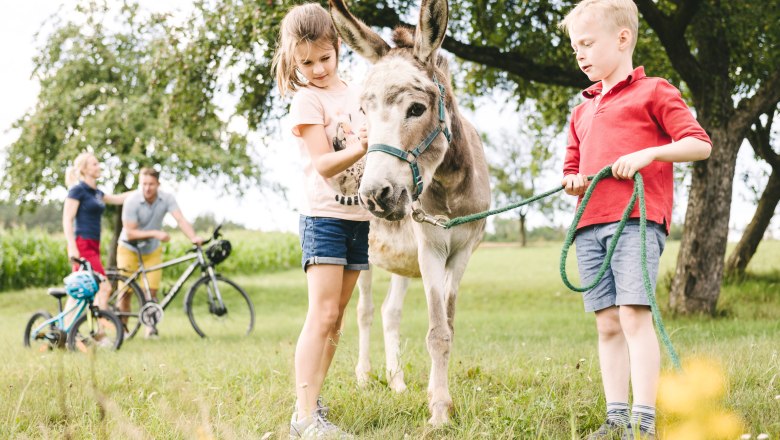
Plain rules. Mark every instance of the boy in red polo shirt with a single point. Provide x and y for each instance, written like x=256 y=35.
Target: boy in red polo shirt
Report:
x=633 y=122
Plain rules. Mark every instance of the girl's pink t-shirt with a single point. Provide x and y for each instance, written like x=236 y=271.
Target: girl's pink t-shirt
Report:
x=339 y=112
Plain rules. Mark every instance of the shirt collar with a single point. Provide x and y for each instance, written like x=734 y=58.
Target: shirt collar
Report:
x=143 y=199
x=595 y=90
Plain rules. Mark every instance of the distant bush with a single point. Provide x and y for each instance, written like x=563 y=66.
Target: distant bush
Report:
x=31 y=258
x=253 y=252
x=37 y=258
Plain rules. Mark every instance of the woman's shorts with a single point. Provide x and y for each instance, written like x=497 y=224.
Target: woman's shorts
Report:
x=622 y=283
x=326 y=240
x=89 y=250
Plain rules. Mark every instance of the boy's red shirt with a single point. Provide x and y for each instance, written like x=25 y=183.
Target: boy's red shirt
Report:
x=637 y=113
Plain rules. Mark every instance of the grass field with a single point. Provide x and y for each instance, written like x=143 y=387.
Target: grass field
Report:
x=524 y=363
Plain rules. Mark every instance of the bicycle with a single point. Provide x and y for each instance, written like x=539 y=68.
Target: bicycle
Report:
x=90 y=327
x=215 y=305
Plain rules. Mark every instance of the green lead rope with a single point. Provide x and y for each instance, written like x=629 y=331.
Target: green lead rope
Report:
x=639 y=192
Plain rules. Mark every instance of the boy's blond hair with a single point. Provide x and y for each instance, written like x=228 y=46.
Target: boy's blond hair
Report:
x=308 y=23
x=621 y=13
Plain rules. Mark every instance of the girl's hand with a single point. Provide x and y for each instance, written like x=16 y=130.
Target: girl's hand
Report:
x=575 y=184
x=355 y=142
x=363 y=136
x=626 y=166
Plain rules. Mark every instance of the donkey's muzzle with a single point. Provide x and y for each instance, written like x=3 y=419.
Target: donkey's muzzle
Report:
x=386 y=202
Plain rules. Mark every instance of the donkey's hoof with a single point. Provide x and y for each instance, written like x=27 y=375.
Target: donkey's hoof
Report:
x=440 y=413
x=396 y=381
x=397 y=385
x=363 y=375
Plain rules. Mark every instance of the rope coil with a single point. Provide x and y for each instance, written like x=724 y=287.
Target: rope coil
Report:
x=638 y=193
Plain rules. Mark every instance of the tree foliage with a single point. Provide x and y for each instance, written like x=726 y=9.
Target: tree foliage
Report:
x=126 y=90
x=721 y=53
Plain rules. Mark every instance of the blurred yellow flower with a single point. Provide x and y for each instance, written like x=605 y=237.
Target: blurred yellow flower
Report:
x=692 y=399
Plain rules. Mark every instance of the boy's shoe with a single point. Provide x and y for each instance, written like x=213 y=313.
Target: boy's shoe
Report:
x=638 y=435
x=316 y=426
x=610 y=431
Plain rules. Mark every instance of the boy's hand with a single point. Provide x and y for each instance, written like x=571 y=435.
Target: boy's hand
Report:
x=626 y=166
x=575 y=184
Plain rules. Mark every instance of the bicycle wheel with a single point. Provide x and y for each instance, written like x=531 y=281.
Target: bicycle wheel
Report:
x=40 y=341
x=233 y=316
x=96 y=329
x=132 y=294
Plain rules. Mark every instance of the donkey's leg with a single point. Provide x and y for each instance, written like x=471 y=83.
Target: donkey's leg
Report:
x=439 y=339
x=391 y=322
x=456 y=267
x=365 y=317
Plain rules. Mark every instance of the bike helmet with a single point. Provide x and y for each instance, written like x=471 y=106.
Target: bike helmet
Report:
x=219 y=251
x=81 y=285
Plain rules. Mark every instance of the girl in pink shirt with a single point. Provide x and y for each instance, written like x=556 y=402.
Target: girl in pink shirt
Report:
x=333 y=226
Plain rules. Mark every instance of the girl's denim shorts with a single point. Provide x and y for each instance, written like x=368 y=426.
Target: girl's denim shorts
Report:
x=326 y=240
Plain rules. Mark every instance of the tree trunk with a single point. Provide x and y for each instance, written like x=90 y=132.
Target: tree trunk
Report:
x=523 y=238
x=740 y=257
x=115 y=238
x=120 y=187
x=696 y=284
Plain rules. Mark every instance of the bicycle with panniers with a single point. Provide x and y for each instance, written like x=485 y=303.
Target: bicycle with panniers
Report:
x=215 y=305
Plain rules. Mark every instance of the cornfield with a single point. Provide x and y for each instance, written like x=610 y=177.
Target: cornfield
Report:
x=36 y=258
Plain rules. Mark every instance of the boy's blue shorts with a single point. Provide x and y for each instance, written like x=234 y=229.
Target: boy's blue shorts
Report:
x=622 y=283
x=326 y=240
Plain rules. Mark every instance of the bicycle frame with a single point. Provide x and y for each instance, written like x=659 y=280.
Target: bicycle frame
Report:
x=60 y=318
x=171 y=294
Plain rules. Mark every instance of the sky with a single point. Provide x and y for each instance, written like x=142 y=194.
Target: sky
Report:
x=262 y=210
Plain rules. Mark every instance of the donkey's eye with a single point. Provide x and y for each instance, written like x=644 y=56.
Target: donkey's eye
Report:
x=415 y=110
x=362 y=111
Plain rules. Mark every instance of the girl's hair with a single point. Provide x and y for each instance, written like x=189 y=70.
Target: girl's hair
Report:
x=308 y=23
x=76 y=172
x=619 y=13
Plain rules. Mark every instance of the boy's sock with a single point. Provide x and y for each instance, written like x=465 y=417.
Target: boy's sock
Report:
x=617 y=413
x=643 y=417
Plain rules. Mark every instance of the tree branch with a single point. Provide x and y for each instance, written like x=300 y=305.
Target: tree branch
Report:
x=763 y=101
x=671 y=31
x=511 y=62
x=685 y=13
x=516 y=64
x=760 y=140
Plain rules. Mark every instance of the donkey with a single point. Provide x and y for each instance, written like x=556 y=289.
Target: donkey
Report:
x=423 y=157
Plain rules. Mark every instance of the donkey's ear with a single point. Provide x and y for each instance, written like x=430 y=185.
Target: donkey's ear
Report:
x=357 y=35
x=431 y=29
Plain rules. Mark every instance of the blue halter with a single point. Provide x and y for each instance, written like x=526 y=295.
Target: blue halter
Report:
x=411 y=156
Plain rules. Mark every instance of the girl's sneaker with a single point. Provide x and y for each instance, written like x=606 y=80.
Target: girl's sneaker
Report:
x=317 y=426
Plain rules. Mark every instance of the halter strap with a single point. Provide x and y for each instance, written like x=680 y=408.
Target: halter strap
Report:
x=411 y=156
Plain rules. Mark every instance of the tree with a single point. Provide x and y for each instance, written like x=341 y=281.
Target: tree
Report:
x=721 y=53
x=517 y=161
x=133 y=97
x=760 y=138
x=48 y=217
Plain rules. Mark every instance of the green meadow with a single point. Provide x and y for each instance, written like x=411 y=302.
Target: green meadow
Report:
x=524 y=363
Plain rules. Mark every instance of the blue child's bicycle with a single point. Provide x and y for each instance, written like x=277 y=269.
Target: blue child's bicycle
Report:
x=82 y=326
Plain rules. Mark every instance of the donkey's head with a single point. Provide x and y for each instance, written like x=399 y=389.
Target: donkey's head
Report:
x=404 y=102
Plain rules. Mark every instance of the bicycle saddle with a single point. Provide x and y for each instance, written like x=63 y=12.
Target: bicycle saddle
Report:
x=57 y=292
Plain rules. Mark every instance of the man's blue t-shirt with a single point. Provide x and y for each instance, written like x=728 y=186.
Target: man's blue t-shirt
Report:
x=90 y=211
